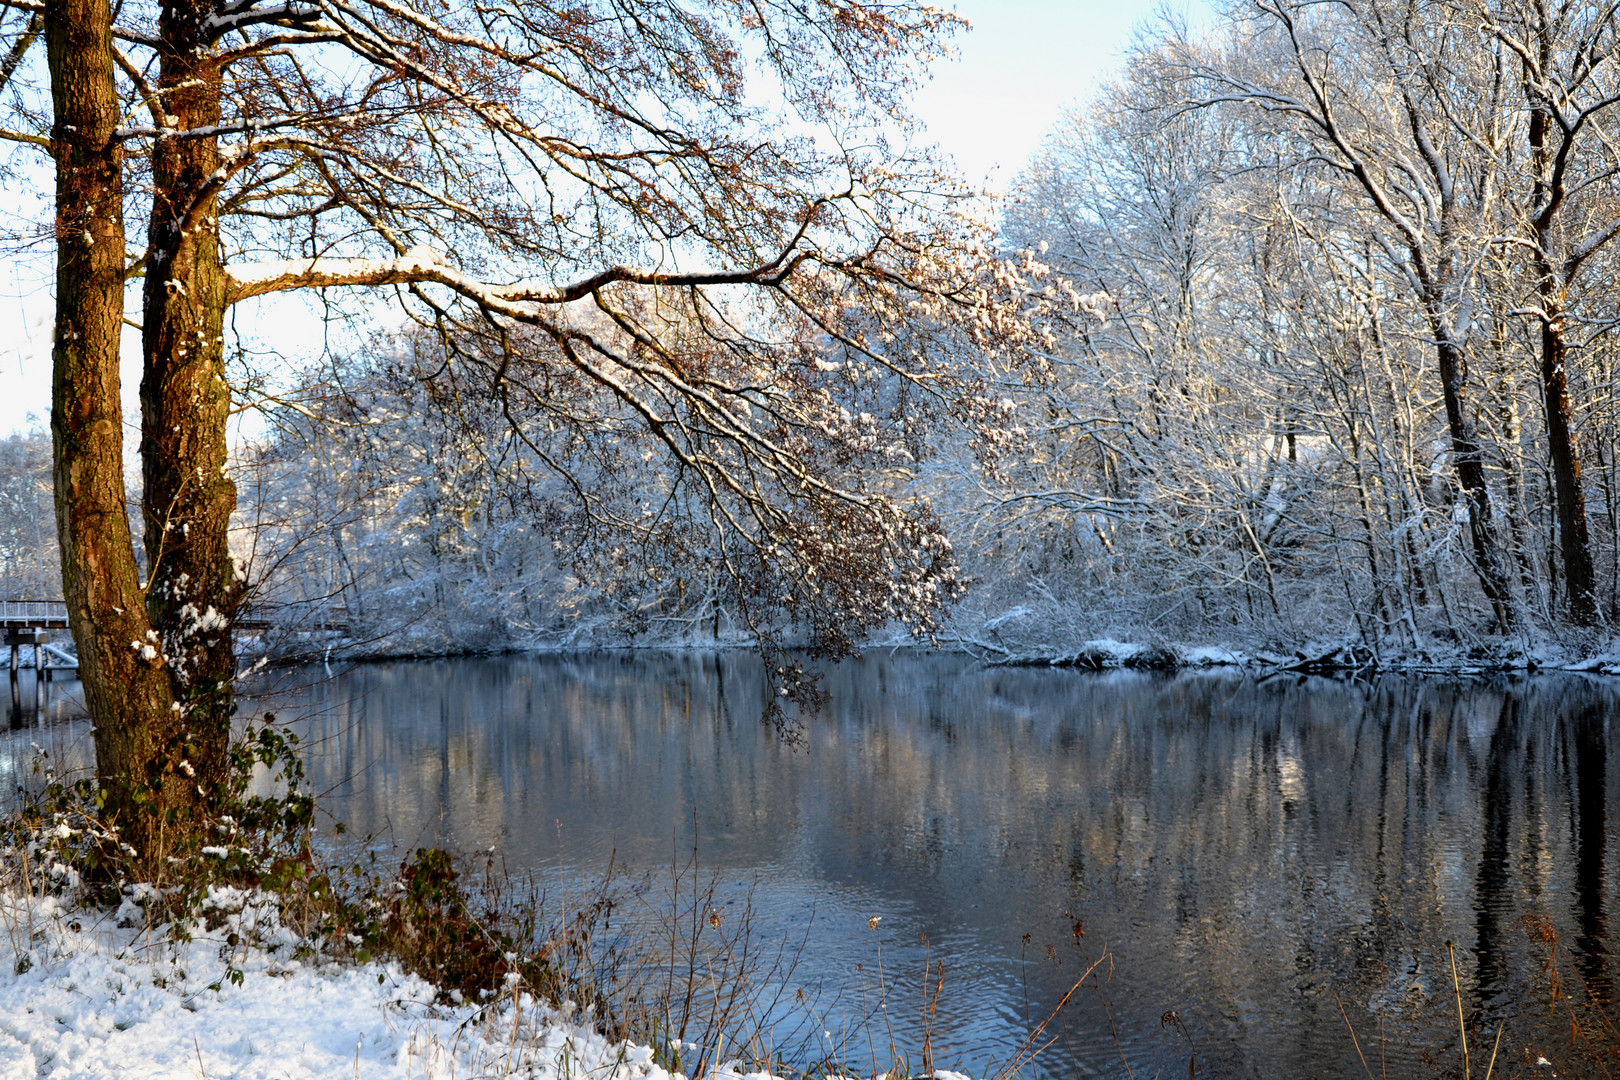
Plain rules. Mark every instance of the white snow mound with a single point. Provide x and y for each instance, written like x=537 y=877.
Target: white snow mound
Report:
x=81 y=996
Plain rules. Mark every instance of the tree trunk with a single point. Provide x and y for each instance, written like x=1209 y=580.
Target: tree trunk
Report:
x=1551 y=144
x=121 y=664
x=185 y=403
x=1580 y=579
x=1469 y=461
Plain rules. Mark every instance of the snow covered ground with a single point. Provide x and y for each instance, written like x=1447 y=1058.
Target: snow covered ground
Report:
x=1314 y=657
x=81 y=996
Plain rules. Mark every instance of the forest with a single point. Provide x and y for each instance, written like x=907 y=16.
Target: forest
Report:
x=1319 y=352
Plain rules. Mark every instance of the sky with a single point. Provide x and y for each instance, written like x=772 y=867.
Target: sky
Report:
x=1022 y=63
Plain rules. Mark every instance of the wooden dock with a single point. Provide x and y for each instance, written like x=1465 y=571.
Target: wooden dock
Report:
x=29 y=622
x=33 y=615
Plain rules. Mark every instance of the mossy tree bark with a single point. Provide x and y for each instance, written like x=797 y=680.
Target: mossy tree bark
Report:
x=127 y=685
x=185 y=402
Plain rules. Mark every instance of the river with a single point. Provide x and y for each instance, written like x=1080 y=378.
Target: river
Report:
x=1271 y=861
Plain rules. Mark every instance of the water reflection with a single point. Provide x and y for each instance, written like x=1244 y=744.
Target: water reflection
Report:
x=1252 y=853
x=35 y=703
x=1591 y=832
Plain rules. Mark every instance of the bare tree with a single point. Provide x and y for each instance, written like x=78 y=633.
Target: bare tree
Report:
x=1402 y=105
x=140 y=737
x=431 y=515
x=1259 y=445
x=602 y=191
x=1570 y=80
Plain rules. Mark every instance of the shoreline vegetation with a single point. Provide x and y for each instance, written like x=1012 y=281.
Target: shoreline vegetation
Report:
x=1342 y=660
x=89 y=992
x=1098 y=654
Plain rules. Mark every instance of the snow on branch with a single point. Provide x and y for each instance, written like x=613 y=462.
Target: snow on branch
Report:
x=237 y=16
x=419 y=266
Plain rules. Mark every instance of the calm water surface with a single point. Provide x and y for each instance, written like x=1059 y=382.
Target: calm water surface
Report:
x=1249 y=853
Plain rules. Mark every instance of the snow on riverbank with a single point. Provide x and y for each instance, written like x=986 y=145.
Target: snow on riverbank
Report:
x=1105 y=654
x=81 y=996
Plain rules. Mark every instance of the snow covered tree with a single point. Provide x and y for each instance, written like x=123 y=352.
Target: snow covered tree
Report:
x=1357 y=348
x=1569 y=79
x=1419 y=148
x=429 y=517
x=707 y=209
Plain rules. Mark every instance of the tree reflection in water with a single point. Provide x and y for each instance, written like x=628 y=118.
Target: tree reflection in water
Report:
x=1252 y=852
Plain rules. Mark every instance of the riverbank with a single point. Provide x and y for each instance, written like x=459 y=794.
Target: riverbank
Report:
x=93 y=993
x=1102 y=654
x=1594 y=657
x=1312 y=659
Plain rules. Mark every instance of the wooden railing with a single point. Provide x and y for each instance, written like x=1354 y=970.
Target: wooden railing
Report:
x=33 y=614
